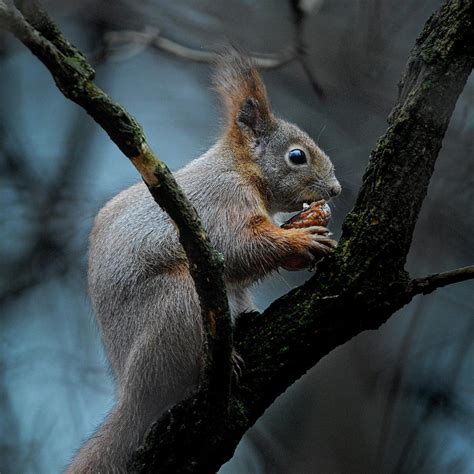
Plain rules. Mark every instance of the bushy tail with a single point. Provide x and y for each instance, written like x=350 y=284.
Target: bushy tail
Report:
x=109 y=450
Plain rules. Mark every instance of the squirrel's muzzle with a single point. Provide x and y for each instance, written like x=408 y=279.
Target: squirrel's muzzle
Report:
x=334 y=189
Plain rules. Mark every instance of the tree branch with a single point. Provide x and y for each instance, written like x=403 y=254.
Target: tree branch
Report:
x=430 y=283
x=153 y=37
x=41 y=21
x=299 y=19
x=73 y=76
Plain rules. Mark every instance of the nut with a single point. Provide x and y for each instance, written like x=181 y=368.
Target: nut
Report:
x=317 y=214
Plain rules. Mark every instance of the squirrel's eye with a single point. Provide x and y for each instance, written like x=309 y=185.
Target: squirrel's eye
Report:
x=297 y=156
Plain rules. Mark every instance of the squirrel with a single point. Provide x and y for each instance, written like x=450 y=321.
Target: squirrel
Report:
x=139 y=282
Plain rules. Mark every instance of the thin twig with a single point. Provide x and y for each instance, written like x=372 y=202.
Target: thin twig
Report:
x=430 y=283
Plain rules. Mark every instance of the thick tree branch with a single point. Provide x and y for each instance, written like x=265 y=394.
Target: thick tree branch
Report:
x=73 y=76
x=430 y=283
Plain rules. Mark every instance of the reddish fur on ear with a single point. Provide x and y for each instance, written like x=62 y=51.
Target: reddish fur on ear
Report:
x=239 y=84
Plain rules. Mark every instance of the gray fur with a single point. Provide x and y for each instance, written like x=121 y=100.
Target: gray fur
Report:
x=141 y=289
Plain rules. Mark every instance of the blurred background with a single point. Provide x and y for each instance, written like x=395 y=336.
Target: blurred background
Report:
x=396 y=400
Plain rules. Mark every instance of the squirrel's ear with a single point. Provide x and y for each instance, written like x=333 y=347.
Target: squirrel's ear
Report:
x=250 y=116
x=243 y=93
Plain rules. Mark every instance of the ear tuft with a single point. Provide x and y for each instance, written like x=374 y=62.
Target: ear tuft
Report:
x=248 y=114
x=242 y=91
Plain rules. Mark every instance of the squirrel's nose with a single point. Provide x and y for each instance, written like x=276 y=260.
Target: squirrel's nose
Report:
x=334 y=189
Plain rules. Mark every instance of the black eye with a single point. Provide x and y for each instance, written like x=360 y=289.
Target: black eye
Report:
x=297 y=157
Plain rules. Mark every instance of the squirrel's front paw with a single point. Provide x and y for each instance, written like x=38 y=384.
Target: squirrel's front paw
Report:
x=320 y=241
x=313 y=243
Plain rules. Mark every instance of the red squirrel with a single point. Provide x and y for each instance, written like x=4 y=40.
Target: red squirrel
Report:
x=139 y=282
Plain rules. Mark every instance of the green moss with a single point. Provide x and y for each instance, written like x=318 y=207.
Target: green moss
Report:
x=76 y=61
x=240 y=407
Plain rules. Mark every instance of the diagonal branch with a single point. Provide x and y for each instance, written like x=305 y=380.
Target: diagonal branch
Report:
x=41 y=21
x=430 y=283
x=73 y=76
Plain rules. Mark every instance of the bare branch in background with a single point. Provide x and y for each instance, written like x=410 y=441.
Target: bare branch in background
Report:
x=299 y=18
x=125 y=44
x=49 y=203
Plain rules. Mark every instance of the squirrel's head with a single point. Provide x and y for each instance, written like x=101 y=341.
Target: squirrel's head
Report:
x=283 y=162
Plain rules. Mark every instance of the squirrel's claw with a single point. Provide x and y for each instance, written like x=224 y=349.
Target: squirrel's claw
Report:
x=238 y=365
